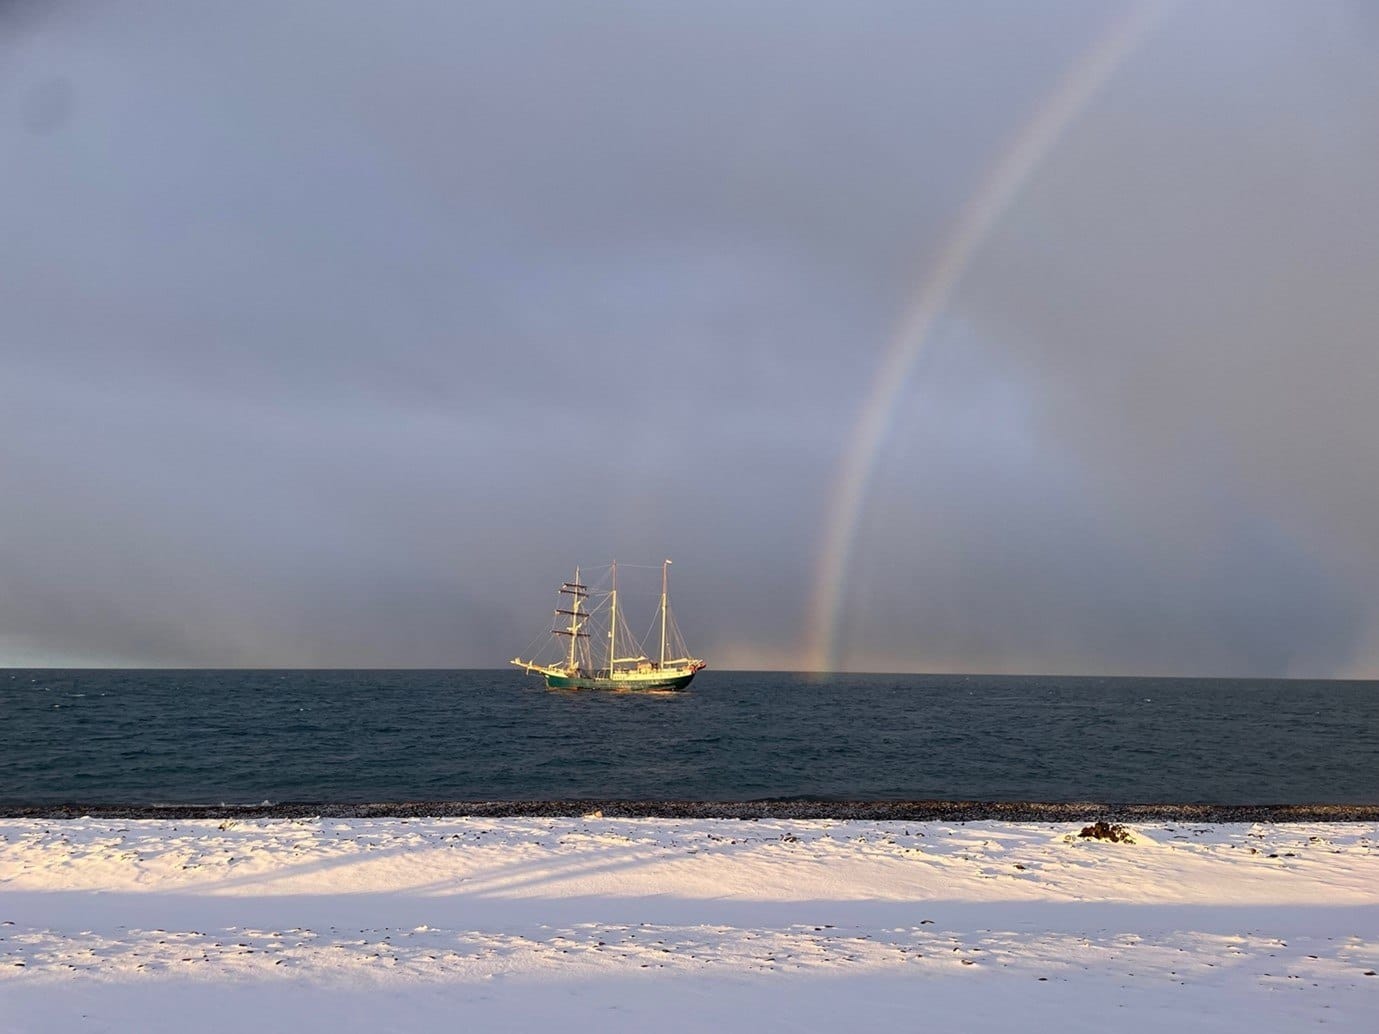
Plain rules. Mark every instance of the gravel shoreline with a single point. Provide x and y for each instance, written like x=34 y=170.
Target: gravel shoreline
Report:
x=911 y=811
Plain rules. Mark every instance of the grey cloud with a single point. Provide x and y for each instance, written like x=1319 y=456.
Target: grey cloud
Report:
x=334 y=334
x=1182 y=313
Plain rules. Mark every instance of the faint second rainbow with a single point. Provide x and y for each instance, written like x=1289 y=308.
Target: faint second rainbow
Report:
x=982 y=211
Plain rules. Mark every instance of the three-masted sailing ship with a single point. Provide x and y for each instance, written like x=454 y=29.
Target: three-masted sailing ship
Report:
x=596 y=626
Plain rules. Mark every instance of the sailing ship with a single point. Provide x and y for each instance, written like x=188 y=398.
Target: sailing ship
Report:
x=593 y=617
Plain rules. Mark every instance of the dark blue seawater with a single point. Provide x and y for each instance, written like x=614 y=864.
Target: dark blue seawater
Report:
x=210 y=737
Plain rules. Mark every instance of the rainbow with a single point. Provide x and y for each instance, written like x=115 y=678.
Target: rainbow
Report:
x=979 y=216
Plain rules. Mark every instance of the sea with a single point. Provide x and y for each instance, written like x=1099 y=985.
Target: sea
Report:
x=252 y=737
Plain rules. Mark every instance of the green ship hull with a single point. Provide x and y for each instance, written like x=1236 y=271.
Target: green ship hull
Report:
x=667 y=684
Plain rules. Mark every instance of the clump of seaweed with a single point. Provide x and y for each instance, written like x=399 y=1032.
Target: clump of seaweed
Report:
x=1112 y=831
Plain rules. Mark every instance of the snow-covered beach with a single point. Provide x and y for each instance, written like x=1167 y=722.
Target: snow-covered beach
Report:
x=616 y=924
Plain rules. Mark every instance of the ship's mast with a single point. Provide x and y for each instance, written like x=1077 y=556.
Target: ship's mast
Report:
x=577 y=591
x=665 y=581
x=574 y=622
x=613 y=622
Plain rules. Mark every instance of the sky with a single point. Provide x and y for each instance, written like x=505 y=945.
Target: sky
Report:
x=337 y=334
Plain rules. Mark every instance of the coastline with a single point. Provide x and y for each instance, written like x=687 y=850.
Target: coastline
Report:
x=865 y=810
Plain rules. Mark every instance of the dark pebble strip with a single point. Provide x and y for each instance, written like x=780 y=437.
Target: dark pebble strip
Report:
x=908 y=811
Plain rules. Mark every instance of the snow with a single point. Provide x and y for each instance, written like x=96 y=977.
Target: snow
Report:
x=708 y=924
